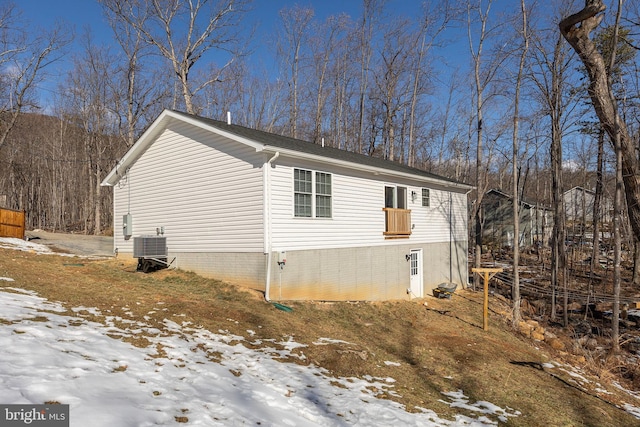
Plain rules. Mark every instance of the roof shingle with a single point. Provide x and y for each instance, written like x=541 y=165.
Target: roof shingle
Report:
x=284 y=142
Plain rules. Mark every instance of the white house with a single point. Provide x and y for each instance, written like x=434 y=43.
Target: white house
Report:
x=294 y=219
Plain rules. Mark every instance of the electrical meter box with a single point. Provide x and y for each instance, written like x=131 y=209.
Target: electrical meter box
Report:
x=127 y=230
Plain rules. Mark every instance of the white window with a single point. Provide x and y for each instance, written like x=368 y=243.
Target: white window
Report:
x=302 y=192
x=425 y=197
x=323 y=195
x=312 y=194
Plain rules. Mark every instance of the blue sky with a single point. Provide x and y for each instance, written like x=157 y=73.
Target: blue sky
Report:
x=87 y=13
x=82 y=13
x=78 y=15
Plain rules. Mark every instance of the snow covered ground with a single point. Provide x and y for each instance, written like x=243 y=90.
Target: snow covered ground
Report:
x=51 y=353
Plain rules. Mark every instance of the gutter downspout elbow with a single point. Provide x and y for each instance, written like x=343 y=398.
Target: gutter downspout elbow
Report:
x=275 y=156
x=267 y=214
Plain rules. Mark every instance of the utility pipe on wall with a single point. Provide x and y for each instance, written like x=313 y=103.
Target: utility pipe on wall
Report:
x=266 y=179
x=451 y=238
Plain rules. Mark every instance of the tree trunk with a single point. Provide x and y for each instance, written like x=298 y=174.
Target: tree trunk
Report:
x=576 y=29
x=557 y=238
x=636 y=262
x=480 y=178
x=597 y=217
x=516 y=196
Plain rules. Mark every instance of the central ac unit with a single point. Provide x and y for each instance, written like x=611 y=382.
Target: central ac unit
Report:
x=150 y=247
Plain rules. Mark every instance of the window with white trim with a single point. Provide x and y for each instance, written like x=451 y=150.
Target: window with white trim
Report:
x=312 y=193
x=426 y=198
x=302 y=192
x=323 y=195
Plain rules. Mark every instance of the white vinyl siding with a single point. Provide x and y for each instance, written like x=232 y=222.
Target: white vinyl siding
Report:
x=446 y=216
x=205 y=190
x=357 y=217
x=207 y=193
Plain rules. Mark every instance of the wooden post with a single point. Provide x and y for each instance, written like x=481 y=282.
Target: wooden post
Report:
x=24 y=224
x=487 y=274
x=485 y=306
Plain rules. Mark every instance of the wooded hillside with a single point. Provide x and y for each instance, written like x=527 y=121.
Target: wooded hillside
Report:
x=431 y=85
x=52 y=169
x=529 y=98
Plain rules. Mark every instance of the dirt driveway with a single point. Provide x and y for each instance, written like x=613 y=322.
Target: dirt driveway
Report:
x=78 y=244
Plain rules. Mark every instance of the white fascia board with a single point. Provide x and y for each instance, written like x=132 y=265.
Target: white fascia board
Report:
x=159 y=125
x=367 y=168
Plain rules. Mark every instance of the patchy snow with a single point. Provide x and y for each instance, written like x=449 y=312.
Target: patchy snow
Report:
x=50 y=353
x=459 y=400
x=327 y=341
x=24 y=245
x=38 y=248
x=583 y=383
x=390 y=363
x=633 y=410
x=53 y=354
x=634 y=312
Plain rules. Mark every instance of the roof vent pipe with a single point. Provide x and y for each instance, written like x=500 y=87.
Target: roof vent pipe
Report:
x=228 y=117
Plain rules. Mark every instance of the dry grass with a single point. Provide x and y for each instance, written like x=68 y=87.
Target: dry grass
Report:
x=440 y=346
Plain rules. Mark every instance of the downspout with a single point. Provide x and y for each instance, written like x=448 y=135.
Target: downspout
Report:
x=450 y=237
x=266 y=182
x=466 y=194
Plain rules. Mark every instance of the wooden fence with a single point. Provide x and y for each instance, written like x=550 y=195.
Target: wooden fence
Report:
x=12 y=223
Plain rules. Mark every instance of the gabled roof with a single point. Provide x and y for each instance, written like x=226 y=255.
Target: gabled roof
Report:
x=501 y=194
x=580 y=189
x=272 y=143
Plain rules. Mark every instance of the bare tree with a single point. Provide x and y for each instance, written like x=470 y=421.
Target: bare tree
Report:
x=551 y=75
x=328 y=39
x=184 y=31
x=143 y=89
x=262 y=103
x=342 y=102
x=371 y=9
x=484 y=72
x=24 y=60
x=89 y=104
x=433 y=23
x=516 y=192
x=392 y=85
x=576 y=28
x=296 y=22
x=617 y=201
